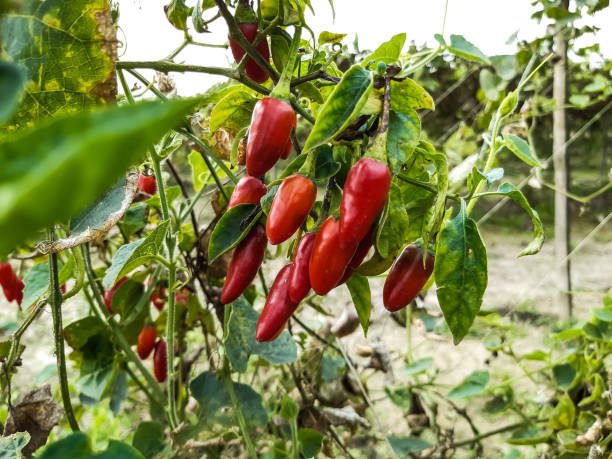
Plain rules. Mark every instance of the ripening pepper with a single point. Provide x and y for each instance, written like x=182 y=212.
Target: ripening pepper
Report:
x=146 y=341
x=147 y=184
x=108 y=295
x=245 y=263
x=252 y=69
x=407 y=277
x=271 y=124
x=299 y=282
x=329 y=259
x=158 y=298
x=290 y=207
x=364 y=196
x=362 y=250
x=248 y=190
x=12 y=285
x=160 y=361
x=278 y=307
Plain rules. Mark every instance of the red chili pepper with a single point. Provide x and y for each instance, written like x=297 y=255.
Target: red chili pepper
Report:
x=299 y=283
x=160 y=361
x=290 y=207
x=147 y=184
x=249 y=190
x=329 y=259
x=407 y=277
x=365 y=192
x=278 y=307
x=362 y=250
x=245 y=263
x=271 y=124
x=252 y=69
x=12 y=285
x=182 y=295
x=108 y=295
x=158 y=298
x=146 y=341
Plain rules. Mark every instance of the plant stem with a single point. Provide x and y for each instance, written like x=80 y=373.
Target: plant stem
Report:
x=55 y=300
x=16 y=337
x=229 y=385
x=477 y=438
x=171 y=267
x=167 y=65
x=282 y=88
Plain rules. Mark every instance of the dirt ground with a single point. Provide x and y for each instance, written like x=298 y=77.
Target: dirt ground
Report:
x=523 y=284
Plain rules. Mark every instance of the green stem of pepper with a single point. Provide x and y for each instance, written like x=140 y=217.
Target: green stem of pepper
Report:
x=282 y=89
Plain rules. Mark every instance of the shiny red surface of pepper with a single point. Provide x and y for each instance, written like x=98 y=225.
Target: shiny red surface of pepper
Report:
x=252 y=69
x=365 y=192
x=146 y=341
x=12 y=285
x=108 y=295
x=299 y=282
x=329 y=259
x=248 y=190
x=160 y=361
x=245 y=263
x=278 y=307
x=290 y=207
x=407 y=277
x=362 y=250
x=271 y=124
x=147 y=184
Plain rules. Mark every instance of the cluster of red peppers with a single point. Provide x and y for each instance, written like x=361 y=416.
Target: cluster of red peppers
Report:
x=11 y=283
x=147 y=343
x=147 y=339
x=327 y=258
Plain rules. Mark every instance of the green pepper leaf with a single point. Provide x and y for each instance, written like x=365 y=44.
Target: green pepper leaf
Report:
x=521 y=149
x=512 y=192
x=403 y=138
x=461 y=273
x=394 y=228
x=342 y=106
x=130 y=256
x=231 y=228
x=408 y=94
x=233 y=112
x=359 y=288
x=12 y=81
x=564 y=414
x=53 y=171
x=240 y=342
x=77 y=445
x=389 y=52
x=11 y=445
x=463 y=48
x=474 y=384
x=326 y=37
x=40 y=36
x=211 y=392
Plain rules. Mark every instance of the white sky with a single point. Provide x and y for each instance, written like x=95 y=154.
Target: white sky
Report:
x=486 y=23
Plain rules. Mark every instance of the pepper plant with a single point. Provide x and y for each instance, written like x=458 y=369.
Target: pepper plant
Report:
x=159 y=216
